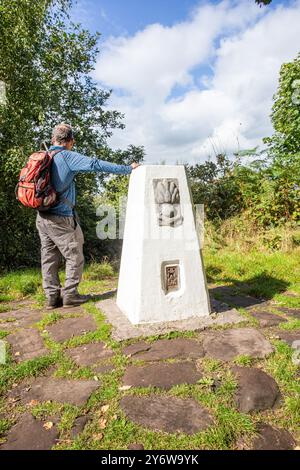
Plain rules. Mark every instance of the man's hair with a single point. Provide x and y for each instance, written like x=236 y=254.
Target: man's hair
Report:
x=62 y=133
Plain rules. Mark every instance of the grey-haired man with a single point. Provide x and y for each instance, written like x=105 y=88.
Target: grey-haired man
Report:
x=59 y=231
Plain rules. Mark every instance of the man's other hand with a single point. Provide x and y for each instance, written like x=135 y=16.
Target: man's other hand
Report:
x=134 y=165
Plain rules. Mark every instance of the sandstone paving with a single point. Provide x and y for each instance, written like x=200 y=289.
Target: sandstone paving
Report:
x=162 y=375
x=228 y=344
x=67 y=328
x=169 y=414
x=178 y=348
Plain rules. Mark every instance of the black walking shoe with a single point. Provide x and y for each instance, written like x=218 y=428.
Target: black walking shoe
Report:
x=75 y=299
x=54 y=301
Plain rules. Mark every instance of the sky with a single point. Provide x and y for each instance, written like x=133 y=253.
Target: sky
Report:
x=193 y=78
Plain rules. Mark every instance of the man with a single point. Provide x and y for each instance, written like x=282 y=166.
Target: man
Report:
x=58 y=228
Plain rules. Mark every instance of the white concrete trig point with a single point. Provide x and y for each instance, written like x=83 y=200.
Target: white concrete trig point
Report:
x=162 y=275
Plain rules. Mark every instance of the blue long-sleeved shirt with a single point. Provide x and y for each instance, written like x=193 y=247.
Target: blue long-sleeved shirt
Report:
x=65 y=166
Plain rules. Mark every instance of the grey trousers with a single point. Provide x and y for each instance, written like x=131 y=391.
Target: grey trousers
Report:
x=60 y=236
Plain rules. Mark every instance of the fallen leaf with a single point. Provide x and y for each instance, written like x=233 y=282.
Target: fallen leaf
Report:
x=13 y=400
x=48 y=425
x=102 y=423
x=98 y=437
x=17 y=353
x=96 y=378
x=124 y=387
x=33 y=403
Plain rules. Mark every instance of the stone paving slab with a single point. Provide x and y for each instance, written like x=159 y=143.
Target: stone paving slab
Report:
x=30 y=434
x=135 y=446
x=122 y=329
x=178 y=348
x=71 y=310
x=8 y=327
x=89 y=354
x=167 y=414
x=217 y=306
x=289 y=337
x=79 y=425
x=256 y=391
x=103 y=368
x=162 y=375
x=67 y=328
x=27 y=344
x=22 y=318
x=76 y=392
x=228 y=344
x=136 y=348
x=266 y=318
x=228 y=295
x=270 y=438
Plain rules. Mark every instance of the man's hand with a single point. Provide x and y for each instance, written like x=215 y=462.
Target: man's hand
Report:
x=134 y=165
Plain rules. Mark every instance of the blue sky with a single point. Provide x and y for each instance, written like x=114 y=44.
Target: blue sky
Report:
x=117 y=16
x=114 y=17
x=187 y=73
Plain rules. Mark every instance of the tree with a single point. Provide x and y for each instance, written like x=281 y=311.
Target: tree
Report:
x=263 y=2
x=45 y=64
x=286 y=111
x=214 y=185
x=269 y=186
x=283 y=145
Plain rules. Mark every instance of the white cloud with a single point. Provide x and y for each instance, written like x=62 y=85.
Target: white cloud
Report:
x=242 y=44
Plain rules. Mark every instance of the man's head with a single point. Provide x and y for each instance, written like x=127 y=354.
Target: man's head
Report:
x=62 y=134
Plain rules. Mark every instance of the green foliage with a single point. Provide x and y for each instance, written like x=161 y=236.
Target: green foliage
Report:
x=214 y=185
x=21 y=283
x=263 y=2
x=286 y=112
x=5 y=424
x=283 y=146
x=266 y=183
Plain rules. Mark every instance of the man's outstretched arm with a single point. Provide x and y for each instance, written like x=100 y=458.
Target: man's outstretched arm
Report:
x=81 y=164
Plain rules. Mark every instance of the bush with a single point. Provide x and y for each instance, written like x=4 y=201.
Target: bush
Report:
x=242 y=233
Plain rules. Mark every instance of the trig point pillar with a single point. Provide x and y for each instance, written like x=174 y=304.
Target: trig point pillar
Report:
x=162 y=275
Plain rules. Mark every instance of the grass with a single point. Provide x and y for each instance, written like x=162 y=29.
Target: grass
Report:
x=19 y=284
x=10 y=373
x=293 y=324
x=282 y=367
x=244 y=360
x=266 y=274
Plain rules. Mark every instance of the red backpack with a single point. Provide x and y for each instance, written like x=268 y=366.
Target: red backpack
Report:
x=34 y=188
